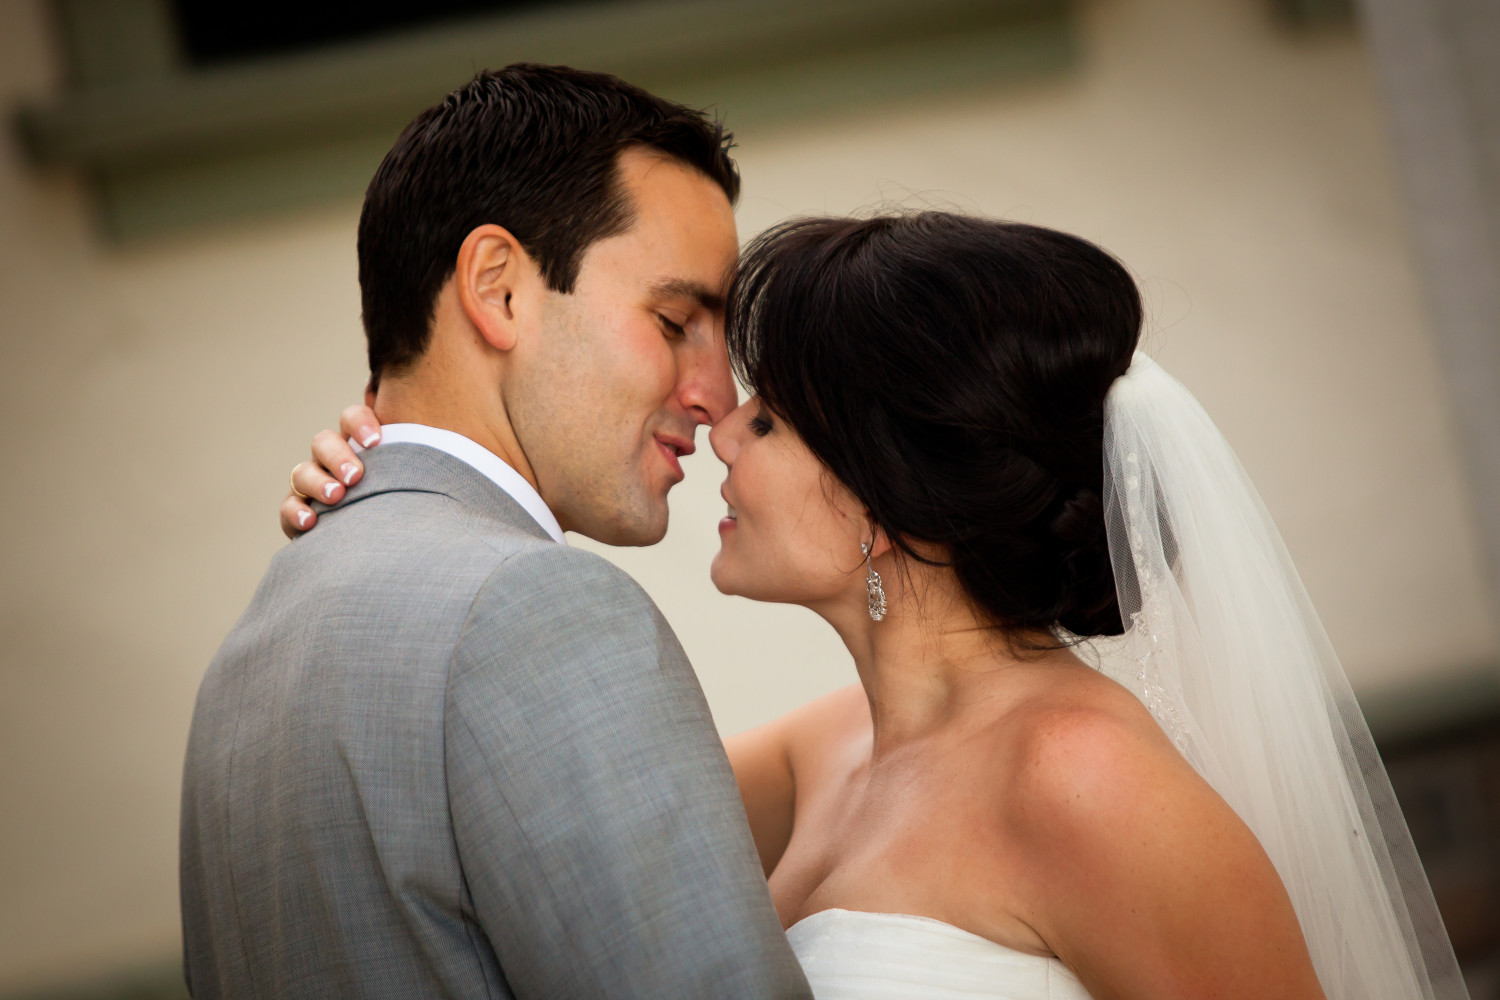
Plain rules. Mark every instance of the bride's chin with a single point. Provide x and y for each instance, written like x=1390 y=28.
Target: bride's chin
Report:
x=719 y=576
x=727 y=580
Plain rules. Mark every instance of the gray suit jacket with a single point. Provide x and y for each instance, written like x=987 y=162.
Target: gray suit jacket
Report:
x=443 y=756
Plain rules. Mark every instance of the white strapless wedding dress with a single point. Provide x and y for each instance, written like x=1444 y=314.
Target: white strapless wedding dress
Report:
x=849 y=955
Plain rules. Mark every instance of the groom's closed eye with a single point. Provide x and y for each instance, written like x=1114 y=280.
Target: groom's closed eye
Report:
x=674 y=331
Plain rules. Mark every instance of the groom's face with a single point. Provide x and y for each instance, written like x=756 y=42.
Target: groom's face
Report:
x=623 y=370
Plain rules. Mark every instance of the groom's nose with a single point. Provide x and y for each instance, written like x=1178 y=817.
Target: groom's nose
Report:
x=706 y=383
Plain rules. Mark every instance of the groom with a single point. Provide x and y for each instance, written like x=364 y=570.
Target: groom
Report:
x=442 y=753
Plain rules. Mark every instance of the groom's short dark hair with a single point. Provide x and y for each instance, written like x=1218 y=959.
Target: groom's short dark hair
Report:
x=531 y=148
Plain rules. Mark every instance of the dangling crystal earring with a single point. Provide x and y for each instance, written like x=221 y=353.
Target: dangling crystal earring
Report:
x=872 y=586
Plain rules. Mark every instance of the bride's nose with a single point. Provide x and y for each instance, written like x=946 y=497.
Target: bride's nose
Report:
x=724 y=436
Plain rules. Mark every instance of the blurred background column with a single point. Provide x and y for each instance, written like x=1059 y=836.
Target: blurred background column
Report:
x=1439 y=67
x=1438 y=62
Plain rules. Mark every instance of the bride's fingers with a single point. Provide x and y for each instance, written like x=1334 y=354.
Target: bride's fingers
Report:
x=312 y=480
x=331 y=451
x=359 y=422
x=296 y=516
x=334 y=467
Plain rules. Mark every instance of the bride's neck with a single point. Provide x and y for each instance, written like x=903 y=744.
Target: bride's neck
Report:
x=929 y=660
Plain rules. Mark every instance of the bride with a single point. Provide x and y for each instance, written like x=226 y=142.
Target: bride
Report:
x=1100 y=746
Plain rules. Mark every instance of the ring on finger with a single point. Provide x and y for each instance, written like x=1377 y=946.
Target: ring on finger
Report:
x=293 y=480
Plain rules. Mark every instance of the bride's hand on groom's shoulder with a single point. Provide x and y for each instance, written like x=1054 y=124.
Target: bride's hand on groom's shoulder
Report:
x=331 y=469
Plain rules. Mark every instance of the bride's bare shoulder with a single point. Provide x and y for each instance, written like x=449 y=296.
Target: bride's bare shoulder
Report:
x=802 y=737
x=1088 y=775
x=1078 y=733
x=1124 y=857
x=840 y=715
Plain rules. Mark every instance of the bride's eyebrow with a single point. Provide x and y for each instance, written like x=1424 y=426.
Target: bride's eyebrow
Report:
x=683 y=288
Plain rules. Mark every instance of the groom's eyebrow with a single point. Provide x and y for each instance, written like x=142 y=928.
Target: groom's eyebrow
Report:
x=681 y=288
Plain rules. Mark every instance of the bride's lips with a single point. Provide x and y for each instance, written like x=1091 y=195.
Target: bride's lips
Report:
x=731 y=520
x=671 y=447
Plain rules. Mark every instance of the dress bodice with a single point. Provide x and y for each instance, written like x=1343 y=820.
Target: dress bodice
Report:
x=851 y=955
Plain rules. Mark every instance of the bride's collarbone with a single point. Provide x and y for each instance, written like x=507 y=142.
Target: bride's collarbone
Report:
x=910 y=839
x=923 y=830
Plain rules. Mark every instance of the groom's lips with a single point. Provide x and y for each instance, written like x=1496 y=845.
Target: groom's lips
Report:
x=671 y=447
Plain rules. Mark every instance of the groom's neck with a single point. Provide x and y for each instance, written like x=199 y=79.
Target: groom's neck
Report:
x=438 y=399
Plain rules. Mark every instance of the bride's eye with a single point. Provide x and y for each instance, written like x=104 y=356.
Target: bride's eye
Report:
x=760 y=424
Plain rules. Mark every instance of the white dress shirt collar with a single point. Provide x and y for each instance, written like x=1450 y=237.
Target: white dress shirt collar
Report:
x=489 y=464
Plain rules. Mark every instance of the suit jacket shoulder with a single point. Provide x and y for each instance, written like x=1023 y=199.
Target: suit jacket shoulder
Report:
x=582 y=754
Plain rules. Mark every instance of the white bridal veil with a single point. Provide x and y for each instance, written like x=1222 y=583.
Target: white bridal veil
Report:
x=1225 y=649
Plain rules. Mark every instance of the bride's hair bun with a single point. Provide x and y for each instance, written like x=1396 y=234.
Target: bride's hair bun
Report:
x=1093 y=608
x=951 y=371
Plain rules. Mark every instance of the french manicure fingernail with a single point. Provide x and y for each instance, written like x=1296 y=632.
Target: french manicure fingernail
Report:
x=303 y=516
x=368 y=436
x=349 y=469
x=328 y=489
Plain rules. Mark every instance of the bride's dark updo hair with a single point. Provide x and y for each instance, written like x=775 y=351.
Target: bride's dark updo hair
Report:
x=951 y=372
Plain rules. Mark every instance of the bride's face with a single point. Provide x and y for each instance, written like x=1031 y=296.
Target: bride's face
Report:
x=793 y=532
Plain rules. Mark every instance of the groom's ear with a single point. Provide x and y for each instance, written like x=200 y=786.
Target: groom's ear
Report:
x=492 y=269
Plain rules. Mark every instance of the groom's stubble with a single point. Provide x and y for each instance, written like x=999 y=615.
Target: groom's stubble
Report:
x=607 y=378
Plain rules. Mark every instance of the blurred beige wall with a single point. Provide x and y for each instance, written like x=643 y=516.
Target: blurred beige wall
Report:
x=154 y=397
